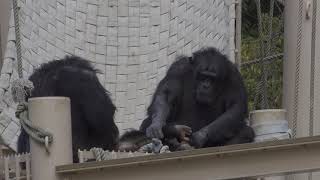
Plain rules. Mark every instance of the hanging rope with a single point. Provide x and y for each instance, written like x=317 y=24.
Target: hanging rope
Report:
x=297 y=72
x=261 y=88
x=261 y=85
x=312 y=72
x=21 y=89
x=33 y=131
x=266 y=59
x=18 y=39
x=270 y=27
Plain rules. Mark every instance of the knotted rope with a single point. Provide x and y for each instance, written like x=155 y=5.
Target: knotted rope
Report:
x=21 y=89
x=155 y=147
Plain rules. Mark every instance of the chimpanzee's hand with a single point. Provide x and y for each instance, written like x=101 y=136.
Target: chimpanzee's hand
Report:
x=199 y=138
x=155 y=130
x=182 y=132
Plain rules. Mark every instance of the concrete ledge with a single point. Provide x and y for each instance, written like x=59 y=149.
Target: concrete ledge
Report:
x=236 y=161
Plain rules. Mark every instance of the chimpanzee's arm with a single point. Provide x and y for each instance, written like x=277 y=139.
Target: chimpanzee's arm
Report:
x=230 y=122
x=159 y=112
x=227 y=125
x=223 y=128
x=167 y=93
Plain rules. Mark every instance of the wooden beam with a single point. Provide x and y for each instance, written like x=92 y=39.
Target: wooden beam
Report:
x=227 y=162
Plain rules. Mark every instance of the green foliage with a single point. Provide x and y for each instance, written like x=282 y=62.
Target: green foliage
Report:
x=249 y=15
x=254 y=48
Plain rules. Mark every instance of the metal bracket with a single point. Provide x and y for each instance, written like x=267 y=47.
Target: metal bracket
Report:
x=308 y=9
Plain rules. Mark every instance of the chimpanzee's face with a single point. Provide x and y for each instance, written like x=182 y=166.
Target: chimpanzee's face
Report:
x=209 y=76
x=205 y=81
x=205 y=85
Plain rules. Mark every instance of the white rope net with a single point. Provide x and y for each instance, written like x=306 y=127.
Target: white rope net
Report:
x=131 y=41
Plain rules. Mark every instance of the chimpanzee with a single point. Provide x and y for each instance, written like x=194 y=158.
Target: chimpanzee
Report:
x=92 y=110
x=206 y=93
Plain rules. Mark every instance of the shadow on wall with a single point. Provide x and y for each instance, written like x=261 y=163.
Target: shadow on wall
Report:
x=4 y=26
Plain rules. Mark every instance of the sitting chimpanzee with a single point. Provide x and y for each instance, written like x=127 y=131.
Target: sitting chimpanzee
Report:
x=92 y=110
x=206 y=93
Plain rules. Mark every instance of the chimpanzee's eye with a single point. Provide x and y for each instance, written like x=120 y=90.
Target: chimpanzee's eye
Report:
x=207 y=75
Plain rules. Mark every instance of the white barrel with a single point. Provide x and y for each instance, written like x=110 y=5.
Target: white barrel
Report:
x=52 y=114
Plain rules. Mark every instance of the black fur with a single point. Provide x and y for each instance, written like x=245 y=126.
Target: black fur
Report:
x=132 y=140
x=205 y=92
x=92 y=110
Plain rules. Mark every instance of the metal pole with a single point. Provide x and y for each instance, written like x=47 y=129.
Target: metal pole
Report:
x=238 y=33
x=1 y=57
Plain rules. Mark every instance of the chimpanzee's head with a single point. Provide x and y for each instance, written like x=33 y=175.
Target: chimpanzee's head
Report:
x=132 y=140
x=209 y=74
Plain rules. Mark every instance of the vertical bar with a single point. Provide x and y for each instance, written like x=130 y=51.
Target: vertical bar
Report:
x=1 y=166
x=238 y=32
x=80 y=156
x=28 y=172
x=1 y=57
x=6 y=168
x=17 y=163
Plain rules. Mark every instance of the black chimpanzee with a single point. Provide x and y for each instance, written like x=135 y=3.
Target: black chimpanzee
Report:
x=206 y=93
x=92 y=110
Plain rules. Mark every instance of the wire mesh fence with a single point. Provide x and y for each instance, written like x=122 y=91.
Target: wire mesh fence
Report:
x=262 y=52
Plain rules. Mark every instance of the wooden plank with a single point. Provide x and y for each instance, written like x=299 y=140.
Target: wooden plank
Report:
x=227 y=162
x=6 y=168
x=28 y=170
x=17 y=165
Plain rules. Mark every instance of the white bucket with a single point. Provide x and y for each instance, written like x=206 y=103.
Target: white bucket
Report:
x=268 y=125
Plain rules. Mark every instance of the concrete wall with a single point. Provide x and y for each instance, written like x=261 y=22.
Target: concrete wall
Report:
x=308 y=82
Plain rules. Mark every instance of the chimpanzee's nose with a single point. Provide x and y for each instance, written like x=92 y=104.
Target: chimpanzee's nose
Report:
x=206 y=85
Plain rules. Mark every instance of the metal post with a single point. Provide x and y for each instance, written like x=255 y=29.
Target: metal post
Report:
x=1 y=57
x=238 y=33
